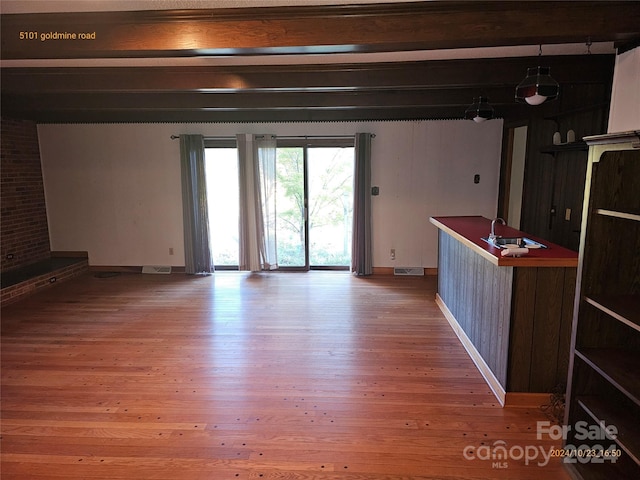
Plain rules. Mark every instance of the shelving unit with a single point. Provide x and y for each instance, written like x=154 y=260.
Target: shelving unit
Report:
x=604 y=369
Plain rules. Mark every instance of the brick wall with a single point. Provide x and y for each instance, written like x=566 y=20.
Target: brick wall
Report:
x=24 y=232
x=21 y=290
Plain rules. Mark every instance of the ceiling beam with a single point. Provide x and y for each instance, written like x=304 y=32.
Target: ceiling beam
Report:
x=404 y=90
x=314 y=29
x=250 y=116
x=475 y=73
x=297 y=92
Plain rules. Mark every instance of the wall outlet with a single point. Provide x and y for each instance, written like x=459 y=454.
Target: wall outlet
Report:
x=567 y=214
x=392 y=253
x=170 y=250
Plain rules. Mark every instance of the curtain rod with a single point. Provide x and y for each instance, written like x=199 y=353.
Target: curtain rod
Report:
x=318 y=136
x=373 y=135
x=176 y=137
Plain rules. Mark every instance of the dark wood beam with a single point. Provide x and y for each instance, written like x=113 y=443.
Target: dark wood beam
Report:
x=475 y=73
x=244 y=116
x=304 y=30
x=350 y=92
x=253 y=100
x=344 y=112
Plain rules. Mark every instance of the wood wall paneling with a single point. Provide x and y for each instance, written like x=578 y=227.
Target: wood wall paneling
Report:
x=555 y=178
x=538 y=180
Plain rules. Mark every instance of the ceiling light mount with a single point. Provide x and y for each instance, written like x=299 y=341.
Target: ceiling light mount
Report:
x=538 y=86
x=479 y=111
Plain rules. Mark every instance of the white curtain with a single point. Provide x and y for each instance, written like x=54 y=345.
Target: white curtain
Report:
x=361 y=254
x=265 y=154
x=257 y=202
x=198 y=258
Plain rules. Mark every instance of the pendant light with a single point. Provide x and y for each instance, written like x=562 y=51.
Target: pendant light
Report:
x=538 y=86
x=479 y=111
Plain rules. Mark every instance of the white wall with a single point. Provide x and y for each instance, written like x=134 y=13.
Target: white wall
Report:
x=518 y=159
x=114 y=189
x=624 y=113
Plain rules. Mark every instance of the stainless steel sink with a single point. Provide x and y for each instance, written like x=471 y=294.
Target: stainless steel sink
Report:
x=507 y=242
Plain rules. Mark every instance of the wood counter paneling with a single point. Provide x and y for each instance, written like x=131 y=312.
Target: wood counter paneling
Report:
x=517 y=318
x=540 y=332
x=478 y=294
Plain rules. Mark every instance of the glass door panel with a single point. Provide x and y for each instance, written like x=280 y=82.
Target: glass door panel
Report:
x=290 y=206
x=330 y=200
x=223 y=193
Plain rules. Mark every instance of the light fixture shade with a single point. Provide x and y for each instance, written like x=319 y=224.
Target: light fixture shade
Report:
x=537 y=87
x=479 y=111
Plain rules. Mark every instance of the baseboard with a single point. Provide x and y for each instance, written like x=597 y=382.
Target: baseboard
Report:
x=382 y=270
x=389 y=271
x=126 y=268
x=138 y=269
x=485 y=371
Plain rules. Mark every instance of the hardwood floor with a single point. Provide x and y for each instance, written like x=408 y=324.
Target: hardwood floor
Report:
x=316 y=375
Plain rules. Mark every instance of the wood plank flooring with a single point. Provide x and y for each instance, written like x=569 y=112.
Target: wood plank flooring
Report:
x=316 y=375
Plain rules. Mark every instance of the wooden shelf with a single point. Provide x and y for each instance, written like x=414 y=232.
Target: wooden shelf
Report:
x=618 y=366
x=624 y=308
x=628 y=437
x=565 y=147
x=616 y=214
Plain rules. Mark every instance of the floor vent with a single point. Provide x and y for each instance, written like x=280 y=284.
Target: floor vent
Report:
x=416 y=271
x=156 y=270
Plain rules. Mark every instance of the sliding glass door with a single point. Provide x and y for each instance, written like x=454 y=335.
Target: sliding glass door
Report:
x=314 y=203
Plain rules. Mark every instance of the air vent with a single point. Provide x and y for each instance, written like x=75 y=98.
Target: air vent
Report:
x=163 y=270
x=415 y=271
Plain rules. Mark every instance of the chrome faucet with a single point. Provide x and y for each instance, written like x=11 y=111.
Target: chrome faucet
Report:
x=492 y=235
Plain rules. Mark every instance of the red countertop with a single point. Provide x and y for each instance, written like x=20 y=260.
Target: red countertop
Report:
x=470 y=230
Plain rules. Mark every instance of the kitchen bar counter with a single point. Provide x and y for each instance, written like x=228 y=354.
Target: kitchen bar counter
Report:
x=471 y=230
x=512 y=314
